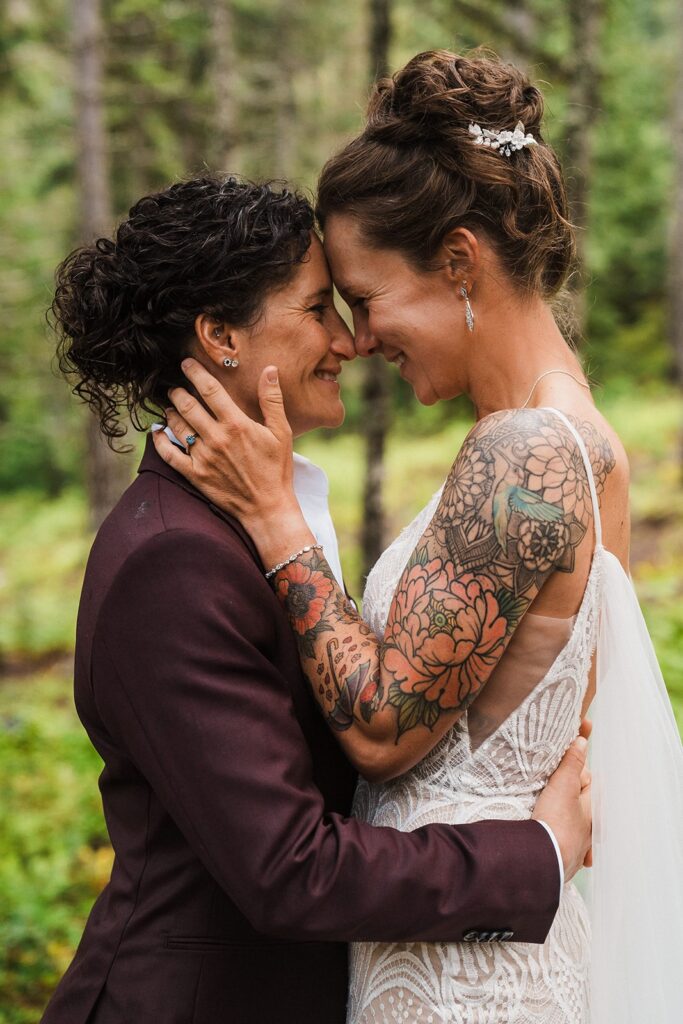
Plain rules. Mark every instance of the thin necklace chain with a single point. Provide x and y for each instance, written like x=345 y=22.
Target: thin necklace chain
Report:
x=547 y=372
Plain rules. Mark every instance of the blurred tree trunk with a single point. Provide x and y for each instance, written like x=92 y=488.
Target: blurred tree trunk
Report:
x=585 y=22
x=107 y=473
x=676 y=248
x=676 y=256
x=515 y=31
x=285 y=149
x=521 y=39
x=377 y=384
x=225 y=84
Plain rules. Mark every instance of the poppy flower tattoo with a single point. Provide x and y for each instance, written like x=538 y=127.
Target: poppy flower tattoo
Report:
x=304 y=591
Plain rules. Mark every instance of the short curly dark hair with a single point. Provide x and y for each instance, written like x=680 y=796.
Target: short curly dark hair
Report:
x=124 y=309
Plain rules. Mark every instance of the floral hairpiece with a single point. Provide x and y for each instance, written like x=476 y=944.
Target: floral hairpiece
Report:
x=506 y=141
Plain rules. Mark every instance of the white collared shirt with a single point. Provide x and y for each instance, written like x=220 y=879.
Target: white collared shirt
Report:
x=312 y=490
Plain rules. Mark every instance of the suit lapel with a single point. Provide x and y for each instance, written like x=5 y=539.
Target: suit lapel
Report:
x=153 y=463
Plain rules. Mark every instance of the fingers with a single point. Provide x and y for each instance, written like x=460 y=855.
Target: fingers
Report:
x=586 y=802
x=212 y=393
x=586 y=728
x=272 y=404
x=586 y=778
x=574 y=759
x=192 y=417
x=180 y=427
x=171 y=454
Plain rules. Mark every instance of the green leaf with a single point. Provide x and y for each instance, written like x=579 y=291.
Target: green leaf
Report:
x=418 y=557
x=410 y=713
x=413 y=709
x=430 y=713
x=511 y=608
x=532 y=506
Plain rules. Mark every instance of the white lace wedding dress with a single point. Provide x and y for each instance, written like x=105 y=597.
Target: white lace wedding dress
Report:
x=493 y=765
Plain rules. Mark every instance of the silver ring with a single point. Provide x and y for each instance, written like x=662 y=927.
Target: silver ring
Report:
x=190 y=440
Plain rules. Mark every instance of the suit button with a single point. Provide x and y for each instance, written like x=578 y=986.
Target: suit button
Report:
x=471 y=937
x=506 y=935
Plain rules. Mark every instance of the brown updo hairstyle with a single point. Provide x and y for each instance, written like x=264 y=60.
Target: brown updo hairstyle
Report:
x=124 y=308
x=415 y=173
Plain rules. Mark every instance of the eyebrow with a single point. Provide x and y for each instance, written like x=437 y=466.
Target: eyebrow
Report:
x=319 y=294
x=347 y=291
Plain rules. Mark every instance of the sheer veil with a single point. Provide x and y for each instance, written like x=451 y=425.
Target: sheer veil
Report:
x=637 y=765
x=636 y=885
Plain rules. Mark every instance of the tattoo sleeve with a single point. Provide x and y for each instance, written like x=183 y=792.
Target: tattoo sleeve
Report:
x=514 y=509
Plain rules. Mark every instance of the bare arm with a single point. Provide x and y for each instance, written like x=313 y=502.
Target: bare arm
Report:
x=512 y=513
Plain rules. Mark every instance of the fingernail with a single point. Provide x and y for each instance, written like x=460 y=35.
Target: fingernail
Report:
x=271 y=375
x=169 y=410
x=186 y=364
x=581 y=743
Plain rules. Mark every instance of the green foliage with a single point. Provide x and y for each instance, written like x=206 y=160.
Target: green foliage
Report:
x=630 y=195
x=300 y=82
x=54 y=856
x=43 y=548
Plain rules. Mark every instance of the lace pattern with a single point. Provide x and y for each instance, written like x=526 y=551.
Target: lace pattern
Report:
x=490 y=983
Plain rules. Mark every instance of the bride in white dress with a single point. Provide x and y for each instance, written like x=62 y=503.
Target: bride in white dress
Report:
x=447 y=233
x=492 y=764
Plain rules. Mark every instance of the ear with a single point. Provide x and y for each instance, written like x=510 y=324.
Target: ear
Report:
x=216 y=339
x=461 y=255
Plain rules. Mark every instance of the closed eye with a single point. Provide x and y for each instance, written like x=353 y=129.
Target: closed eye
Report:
x=320 y=309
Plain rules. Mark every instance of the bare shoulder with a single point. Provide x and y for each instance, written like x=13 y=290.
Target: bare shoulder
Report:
x=605 y=450
x=611 y=473
x=517 y=499
x=543 y=435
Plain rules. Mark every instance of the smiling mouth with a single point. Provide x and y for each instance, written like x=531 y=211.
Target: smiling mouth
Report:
x=399 y=359
x=327 y=375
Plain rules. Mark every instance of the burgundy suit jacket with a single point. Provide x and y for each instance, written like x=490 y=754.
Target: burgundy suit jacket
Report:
x=238 y=875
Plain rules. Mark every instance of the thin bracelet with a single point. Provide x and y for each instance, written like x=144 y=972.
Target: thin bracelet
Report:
x=293 y=558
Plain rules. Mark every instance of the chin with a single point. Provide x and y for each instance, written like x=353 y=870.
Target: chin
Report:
x=328 y=419
x=425 y=394
x=336 y=418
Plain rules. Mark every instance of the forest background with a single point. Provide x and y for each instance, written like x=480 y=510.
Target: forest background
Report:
x=101 y=104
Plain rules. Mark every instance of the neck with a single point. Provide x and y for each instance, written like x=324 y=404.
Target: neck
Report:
x=514 y=343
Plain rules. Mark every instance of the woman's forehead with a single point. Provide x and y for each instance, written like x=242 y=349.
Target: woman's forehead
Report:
x=314 y=275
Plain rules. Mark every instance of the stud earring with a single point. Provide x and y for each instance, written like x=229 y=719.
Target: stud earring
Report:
x=232 y=363
x=217 y=332
x=469 y=315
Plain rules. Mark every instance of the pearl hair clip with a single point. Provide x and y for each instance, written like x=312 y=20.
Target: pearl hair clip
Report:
x=506 y=142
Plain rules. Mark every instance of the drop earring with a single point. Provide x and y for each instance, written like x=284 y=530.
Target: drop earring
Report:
x=232 y=363
x=469 y=315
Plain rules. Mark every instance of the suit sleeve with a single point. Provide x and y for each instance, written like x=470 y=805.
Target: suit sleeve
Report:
x=183 y=676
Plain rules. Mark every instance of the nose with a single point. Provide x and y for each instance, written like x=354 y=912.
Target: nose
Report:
x=365 y=342
x=341 y=343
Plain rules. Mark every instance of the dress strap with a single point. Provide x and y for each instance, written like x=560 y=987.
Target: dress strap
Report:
x=589 y=472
